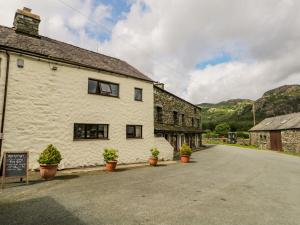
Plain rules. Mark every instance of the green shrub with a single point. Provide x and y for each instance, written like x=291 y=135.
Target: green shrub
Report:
x=50 y=155
x=110 y=154
x=211 y=134
x=241 y=134
x=154 y=152
x=185 y=150
x=222 y=129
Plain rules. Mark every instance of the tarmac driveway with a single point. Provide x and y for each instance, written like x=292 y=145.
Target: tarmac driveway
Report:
x=223 y=185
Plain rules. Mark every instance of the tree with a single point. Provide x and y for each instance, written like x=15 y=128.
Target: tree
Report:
x=222 y=128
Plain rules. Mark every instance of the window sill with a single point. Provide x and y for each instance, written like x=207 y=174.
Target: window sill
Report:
x=91 y=139
x=134 y=138
x=104 y=95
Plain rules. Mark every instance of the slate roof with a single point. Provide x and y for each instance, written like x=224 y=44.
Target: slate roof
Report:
x=60 y=51
x=284 y=122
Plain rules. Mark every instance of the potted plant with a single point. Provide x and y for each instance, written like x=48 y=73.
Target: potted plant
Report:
x=49 y=160
x=110 y=156
x=185 y=153
x=154 y=158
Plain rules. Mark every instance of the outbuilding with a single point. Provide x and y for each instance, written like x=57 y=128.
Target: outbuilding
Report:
x=280 y=133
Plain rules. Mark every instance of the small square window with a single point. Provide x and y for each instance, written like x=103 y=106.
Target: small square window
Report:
x=138 y=94
x=134 y=131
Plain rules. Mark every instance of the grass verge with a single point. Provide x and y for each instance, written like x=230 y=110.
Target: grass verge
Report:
x=253 y=147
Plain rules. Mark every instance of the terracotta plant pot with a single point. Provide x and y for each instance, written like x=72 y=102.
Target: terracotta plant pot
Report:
x=48 y=171
x=153 y=161
x=185 y=158
x=111 y=165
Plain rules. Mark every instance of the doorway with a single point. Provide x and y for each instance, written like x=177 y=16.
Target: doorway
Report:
x=275 y=139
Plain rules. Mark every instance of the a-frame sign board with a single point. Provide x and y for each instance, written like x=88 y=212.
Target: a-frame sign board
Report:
x=14 y=164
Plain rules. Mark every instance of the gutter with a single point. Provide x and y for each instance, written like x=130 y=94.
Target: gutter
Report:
x=4 y=99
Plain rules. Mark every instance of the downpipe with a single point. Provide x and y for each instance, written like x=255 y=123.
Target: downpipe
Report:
x=4 y=99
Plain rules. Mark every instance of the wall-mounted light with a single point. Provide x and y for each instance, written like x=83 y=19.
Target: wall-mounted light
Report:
x=53 y=67
x=20 y=63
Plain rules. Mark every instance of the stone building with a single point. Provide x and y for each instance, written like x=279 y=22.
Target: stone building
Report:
x=280 y=133
x=177 y=120
x=80 y=101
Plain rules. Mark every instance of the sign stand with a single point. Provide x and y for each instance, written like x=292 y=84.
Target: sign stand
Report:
x=15 y=164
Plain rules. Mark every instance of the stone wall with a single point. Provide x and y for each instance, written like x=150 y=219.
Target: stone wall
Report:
x=170 y=103
x=261 y=139
x=240 y=141
x=291 y=140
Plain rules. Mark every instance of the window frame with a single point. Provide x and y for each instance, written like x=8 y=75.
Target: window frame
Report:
x=182 y=119
x=135 y=137
x=85 y=131
x=175 y=121
x=103 y=93
x=140 y=89
x=159 y=116
x=198 y=122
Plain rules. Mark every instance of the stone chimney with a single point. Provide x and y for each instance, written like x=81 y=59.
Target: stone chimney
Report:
x=26 y=22
x=160 y=85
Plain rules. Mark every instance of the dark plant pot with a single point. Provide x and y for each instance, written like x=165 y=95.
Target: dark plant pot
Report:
x=111 y=165
x=153 y=161
x=48 y=171
x=185 y=158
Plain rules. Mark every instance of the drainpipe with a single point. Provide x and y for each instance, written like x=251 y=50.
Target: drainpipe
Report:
x=4 y=99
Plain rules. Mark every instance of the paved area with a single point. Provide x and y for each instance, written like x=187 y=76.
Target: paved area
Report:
x=222 y=185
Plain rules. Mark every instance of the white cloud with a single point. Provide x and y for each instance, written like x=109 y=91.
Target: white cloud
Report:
x=169 y=38
x=172 y=37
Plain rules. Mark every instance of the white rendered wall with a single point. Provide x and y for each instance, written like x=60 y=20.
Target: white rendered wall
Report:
x=43 y=105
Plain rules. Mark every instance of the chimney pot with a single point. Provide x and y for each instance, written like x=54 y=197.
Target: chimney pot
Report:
x=26 y=9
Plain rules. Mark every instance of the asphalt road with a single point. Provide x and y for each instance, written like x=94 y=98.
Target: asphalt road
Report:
x=222 y=185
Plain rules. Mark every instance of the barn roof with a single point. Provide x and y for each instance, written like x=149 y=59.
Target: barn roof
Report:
x=284 y=122
x=60 y=51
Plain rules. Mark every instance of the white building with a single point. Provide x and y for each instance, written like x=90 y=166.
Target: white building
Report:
x=78 y=100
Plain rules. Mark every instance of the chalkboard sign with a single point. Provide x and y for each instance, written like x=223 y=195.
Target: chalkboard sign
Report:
x=14 y=164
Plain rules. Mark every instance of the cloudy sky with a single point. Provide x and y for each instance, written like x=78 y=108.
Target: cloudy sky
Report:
x=203 y=50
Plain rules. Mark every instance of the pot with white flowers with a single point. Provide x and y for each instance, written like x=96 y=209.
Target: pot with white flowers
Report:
x=185 y=153
x=154 y=156
x=110 y=156
x=49 y=160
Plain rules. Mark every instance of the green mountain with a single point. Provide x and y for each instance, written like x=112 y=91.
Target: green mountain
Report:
x=238 y=112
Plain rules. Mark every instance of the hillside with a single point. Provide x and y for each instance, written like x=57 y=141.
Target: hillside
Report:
x=238 y=112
